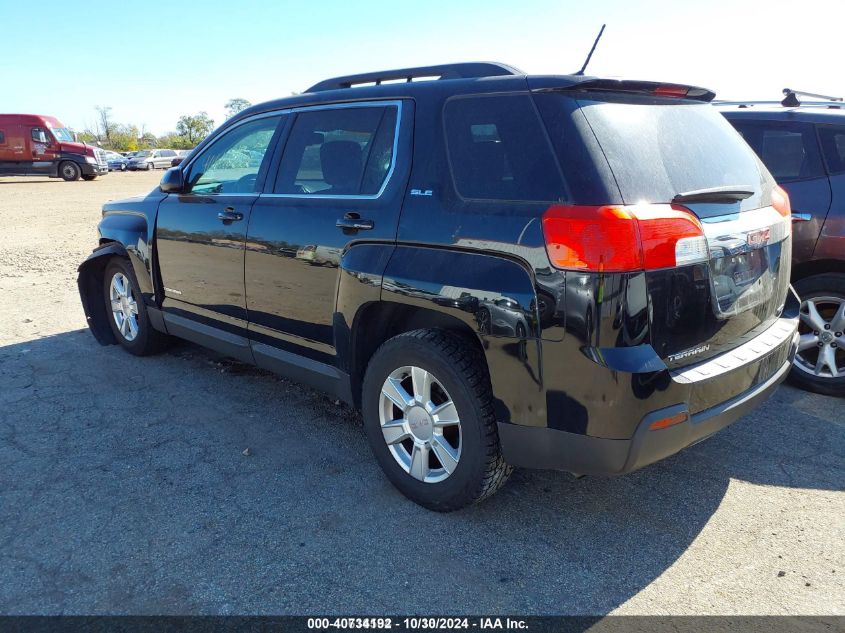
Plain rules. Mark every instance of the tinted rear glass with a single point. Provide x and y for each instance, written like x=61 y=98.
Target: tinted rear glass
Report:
x=498 y=150
x=657 y=150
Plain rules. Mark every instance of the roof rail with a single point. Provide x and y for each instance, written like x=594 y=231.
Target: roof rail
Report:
x=803 y=104
x=445 y=71
x=791 y=97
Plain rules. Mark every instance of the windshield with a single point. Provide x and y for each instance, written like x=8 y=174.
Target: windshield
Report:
x=143 y=154
x=659 y=150
x=62 y=134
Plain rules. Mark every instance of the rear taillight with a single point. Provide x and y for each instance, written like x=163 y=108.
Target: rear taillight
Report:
x=621 y=238
x=780 y=202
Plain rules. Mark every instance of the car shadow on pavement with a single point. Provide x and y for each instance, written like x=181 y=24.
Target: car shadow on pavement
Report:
x=129 y=491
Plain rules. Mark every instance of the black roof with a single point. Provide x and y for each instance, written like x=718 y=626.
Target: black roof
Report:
x=451 y=78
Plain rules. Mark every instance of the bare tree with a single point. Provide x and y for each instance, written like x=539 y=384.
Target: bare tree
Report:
x=105 y=123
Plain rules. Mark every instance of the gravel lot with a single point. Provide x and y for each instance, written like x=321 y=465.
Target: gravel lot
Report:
x=124 y=488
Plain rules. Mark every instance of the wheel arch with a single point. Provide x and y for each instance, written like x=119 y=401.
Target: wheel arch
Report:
x=817 y=267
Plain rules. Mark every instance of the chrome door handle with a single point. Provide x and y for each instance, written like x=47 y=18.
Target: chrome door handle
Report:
x=229 y=215
x=352 y=221
x=801 y=217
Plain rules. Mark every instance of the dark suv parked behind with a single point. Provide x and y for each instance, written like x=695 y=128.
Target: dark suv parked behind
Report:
x=552 y=272
x=803 y=145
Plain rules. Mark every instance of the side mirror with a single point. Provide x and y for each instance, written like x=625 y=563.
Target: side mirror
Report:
x=173 y=181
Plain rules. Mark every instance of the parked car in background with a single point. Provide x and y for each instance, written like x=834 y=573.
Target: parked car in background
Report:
x=436 y=200
x=36 y=145
x=803 y=146
x=116 y=161
x=181 y=154
x=151 y=159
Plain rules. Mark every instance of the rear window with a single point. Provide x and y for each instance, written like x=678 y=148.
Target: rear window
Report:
x=498 y=150
x=657 y=150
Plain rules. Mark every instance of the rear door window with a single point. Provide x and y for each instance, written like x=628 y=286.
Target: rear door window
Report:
x=498 y=150
x=833 y=146
x=789 y=150
x=347 y=151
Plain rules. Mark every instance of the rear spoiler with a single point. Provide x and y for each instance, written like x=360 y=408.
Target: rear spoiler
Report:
x=645 y=88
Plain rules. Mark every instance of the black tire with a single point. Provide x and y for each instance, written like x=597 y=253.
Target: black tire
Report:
x=69 y=171
x=824 y=285
x=150 y=166
x=148 y=340
x=89 y=177
x=461 y=369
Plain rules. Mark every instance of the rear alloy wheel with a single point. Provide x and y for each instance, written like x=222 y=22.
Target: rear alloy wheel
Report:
x=127 y=313
x=69 y=171
x=428 y=414
x=420 y=424
x=820 y=360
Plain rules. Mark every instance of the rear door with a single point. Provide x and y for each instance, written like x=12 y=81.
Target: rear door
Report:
x=831 y=244
x=200 y=233
x=790 y=151
x=340 y=182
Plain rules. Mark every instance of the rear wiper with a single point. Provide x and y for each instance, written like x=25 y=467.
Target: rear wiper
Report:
x=727 y=193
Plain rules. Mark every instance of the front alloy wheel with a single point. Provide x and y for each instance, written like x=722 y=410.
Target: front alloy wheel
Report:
x=420 y=424
x=124 y=306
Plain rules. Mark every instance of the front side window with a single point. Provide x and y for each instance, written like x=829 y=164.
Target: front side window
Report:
x=833 y=146
x=789 y=151
x=338 y=152
x=498 y=150
x=39 y=135
x=2 y=138
x=232 y=162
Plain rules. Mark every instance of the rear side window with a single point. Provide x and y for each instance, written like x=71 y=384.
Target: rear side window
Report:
x=338 y=152
x=833 y=146
x=2 y=137
x=789 y=150
x=499 y=151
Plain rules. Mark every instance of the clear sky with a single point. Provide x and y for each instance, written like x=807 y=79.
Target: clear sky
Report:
x=153 y=60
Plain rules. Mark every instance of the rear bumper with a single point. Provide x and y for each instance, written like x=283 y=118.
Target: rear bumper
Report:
x=549 y=448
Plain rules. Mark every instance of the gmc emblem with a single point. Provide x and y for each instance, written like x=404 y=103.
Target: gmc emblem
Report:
x=759 y=237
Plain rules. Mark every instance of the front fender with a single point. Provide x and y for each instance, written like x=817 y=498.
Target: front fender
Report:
x=131 y=230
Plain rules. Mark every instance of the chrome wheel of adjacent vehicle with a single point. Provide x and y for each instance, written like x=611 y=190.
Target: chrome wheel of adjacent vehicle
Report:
x=420 y=424
x=821 y=350
x=124 y=306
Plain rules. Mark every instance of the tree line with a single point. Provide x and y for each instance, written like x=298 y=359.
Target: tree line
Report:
x=122 y=137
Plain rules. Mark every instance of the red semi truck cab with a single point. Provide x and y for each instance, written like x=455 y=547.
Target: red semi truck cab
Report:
x=36 y=145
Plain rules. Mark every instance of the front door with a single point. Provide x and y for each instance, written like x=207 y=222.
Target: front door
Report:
x=42 y=151
x=340 y=181
x=200 y=234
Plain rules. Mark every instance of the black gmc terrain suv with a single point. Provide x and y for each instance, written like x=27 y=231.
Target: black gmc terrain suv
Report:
x=500 y=270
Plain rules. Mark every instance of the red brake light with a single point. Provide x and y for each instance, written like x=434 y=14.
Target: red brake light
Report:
x=780 y=201
x=623 y=238
x=671 y=91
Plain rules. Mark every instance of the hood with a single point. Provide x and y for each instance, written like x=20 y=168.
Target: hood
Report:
x=77 y=148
